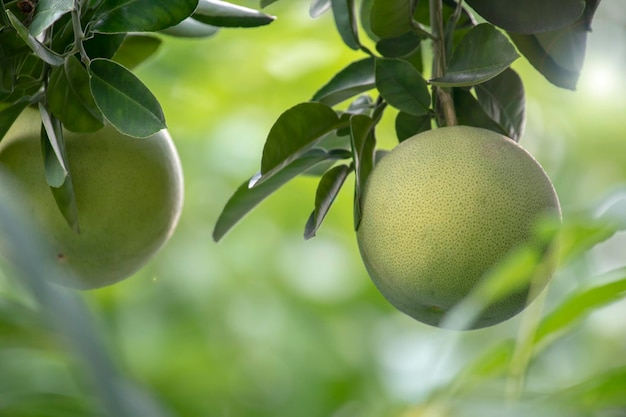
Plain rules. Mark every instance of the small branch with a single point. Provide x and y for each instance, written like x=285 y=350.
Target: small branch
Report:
x=443 y=98
x=79 y=35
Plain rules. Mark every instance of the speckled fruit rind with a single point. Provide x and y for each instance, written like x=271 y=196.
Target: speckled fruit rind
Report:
x=444 y=207
x=128 y=191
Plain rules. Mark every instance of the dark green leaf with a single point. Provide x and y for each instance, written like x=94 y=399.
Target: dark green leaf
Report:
x=529 y=16
x=400 y=46
x=559 y=55
x=482 y=54
x=120 y=16
x=38 y=48
x=402 y=86
x=56 y=168
x=221 y=13
x=391 y=18
x=135 y=49
x=124 y=100
x=9 y=114
x=70 y=99
x=247 y=197
x=48 y=12
x=408 y=125
x=104 y=45
x=318 y=7
x=191 y=28
x=503 y=99
x=295 y=131
x=350 y=81
x=365 y=15
x=581 y=304
x=361 y=105
x=329 y=186
x=470 y=113
x=363 y=143
x=345 y=20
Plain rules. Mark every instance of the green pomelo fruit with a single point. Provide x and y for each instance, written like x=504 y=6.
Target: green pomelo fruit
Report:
x=128 y=191
x=444 y=208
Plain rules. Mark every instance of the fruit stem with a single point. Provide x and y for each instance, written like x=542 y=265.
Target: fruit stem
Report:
x=444 y=105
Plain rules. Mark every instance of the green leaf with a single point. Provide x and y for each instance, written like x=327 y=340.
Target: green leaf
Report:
x=400 y=46
x=56 y=169
x=363 y=142
x=329 y=186
x=135 y=49
x=529 y=16
x=247 y=197
x=191 y=28
x=48 y=12
x=408 y=125
x=42 y=404
x=482 y=54
x=350 y=81
x=221 y=13
x=345 y=21
x=37 y=47
x=579 y=305
x=265 y=3
x=295 y=131
x=9 y=114
x=104 y=45
x=503 y=99
x=391 y=18
x=318 y=7
x=402 y=86
x=470 y=113
x=124 y=100
x=604 y=391
x=559 y=55
x=120 y=16
x=70 y=99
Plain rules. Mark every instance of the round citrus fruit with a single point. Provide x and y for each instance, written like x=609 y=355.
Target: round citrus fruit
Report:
x=442 y=210
x=128 y=194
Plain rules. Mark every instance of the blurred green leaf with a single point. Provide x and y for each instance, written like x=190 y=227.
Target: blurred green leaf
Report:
x=119 y=93
x=265 y=3
x=580 y=304
x=135 y=49
x=37 y=47
x=470 y=113
x=318 y=7
x=70 y=99
x=482 y=54
x=363 y=144
x=402 y=86
x=191 y=28
x=121 y=16
x=529 y=16
x=48 y=12
x=345 y=21
x=408 y=125
x=251 y=193
x=391 y=18
x=224 y=14
x=503 y=99
x=329 y=186
x=46 y=405
x=9 y=115
x=598 y=395
x=295 y=131
x=350 y=81
x=559 y=55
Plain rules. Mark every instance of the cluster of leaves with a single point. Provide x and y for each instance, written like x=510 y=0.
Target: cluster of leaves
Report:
x=471 y=83
x=73 y=58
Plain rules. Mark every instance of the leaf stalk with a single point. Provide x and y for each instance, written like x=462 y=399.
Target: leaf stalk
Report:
x=444 y=104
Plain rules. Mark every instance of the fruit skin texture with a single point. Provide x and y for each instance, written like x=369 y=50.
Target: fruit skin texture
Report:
x=444 y=207
x=129 y=194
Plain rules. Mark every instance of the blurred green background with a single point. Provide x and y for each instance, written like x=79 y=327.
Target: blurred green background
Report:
x=265 y=323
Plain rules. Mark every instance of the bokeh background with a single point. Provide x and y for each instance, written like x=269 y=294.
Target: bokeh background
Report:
x=264 y=323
